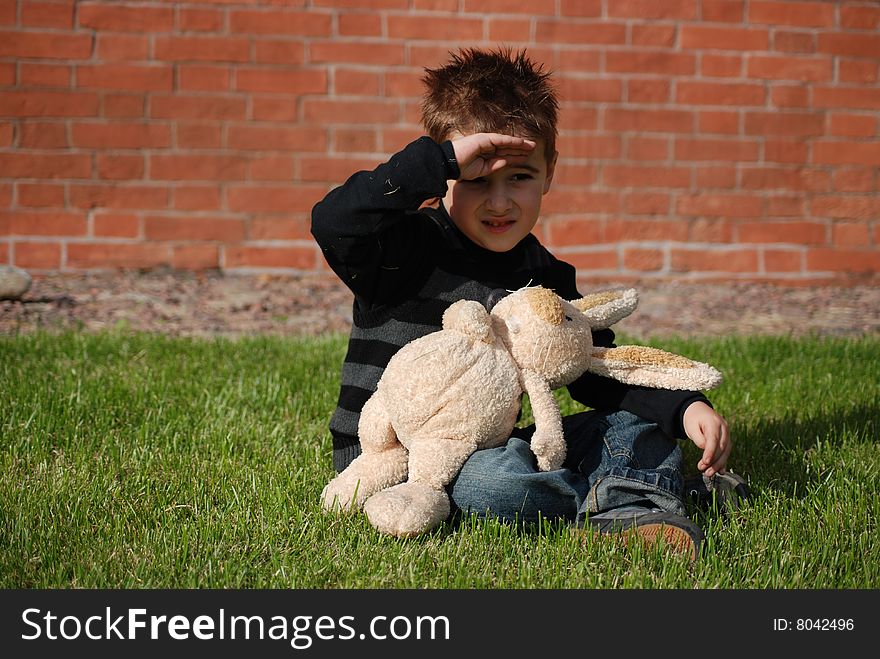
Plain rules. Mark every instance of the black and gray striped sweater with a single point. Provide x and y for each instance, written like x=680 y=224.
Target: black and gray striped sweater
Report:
x=406 y=264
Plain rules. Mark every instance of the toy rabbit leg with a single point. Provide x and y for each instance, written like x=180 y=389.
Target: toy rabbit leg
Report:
x=382 y=463
x=421 y=503
x=548 y=442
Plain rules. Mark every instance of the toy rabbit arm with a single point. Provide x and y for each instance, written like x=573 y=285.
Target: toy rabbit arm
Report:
x=651 y=367
x=548 y=442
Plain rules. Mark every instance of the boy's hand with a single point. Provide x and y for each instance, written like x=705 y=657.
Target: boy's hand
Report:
x=481 y=154
x=708 y=430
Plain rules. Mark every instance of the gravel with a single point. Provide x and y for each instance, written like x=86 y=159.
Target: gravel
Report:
x=212 y=304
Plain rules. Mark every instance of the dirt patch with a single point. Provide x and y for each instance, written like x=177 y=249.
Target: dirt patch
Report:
x=212 y=304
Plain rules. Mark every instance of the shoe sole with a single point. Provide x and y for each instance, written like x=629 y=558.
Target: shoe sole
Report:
x=676 y=539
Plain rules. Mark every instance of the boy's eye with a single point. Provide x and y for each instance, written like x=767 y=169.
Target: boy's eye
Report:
x=521 y=177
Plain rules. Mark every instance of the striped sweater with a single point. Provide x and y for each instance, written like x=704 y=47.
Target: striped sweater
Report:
x=405 y=264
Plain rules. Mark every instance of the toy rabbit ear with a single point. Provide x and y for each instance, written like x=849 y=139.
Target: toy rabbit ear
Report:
x=607 y=307
x=650 y=367
x=471 y=319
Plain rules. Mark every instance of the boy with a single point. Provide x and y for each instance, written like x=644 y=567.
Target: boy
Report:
x=490 y=156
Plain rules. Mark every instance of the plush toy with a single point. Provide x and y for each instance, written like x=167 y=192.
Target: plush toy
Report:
x=454 y=391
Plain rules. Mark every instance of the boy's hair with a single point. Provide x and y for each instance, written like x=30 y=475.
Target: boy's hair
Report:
x=499 y=91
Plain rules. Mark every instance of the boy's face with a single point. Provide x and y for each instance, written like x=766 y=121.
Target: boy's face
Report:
x=497 y=211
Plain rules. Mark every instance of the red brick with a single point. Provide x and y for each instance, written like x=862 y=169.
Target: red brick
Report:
x=729 y=94
x=328 y=111
x=721 y=66
x=48 y=104
x=276 y=138
x=38 y=256
x=40 y=195
x=45 y=223
x=852 y=125
x=43 y=135
x=579 y=60
x=122 y=18
x=801 y=14
x=510 y=30
x=790 y=68
x=288 y=53
x=644 y=230
x=850 y=234
x=341 y=52
x=648 y=91
x=201 y=49
x=273 y=168
x=788 y=124
x=647 y=148
x=800 y=233
x=858 y=70
x=357 y=83
x=784 y=96
x=794 y=42
x=724 y=38
x=7 y=73
x=187 y=227
x=507 y=7
x=362 y=4
x=792 y=206
x=114 y=195
x=846 y=207
x=46 y=45
x=199 y=136
x=280 y=21
x=198 y=107
x=855 y=180
x=355 y=140
x=582 y=8
x=843 y=260
x=568 y=173
x=653 y=35
x=116 y=225
x=582 y=202
x=578 y=89
x=122 y=47
x=127 y=77
x=774 y=178
x=593 y=261
x=100 y=255
x=450 y=28
x=719 y=205
x=591 y=146
x=197 y=197
x=305 y=81
x=280 y=228
x=714 y=260
x=662 y=121
x=123 y=106
x=47 y=14
x=846 y=153
x=849 y=43
x=723 y=11
x=360 y=24
x=197 y=167
x=298 y=258
x=119 y=167
x=274 y=199
x=195 y=257
x=34 y=165
x=723 y=122
x=650 y=62
x=710 y=230
x=653 y=9
x=271 y=108
x=332 y=170
x=203 y=78
x=716 y=150
x=44 y=75
x=121 y=135
x=199 y=20
x=860 y=17
x=867 y=97
x=403 y=83
x=623 y=176
x=643 y=259
x=646 y=203
x=552 y=31
x=781 y=260
x=792 y=151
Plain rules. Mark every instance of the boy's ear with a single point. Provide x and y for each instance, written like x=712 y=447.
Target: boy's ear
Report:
x=551 y=170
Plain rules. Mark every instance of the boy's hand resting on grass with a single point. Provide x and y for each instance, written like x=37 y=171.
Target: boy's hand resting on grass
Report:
x=708 y=430
x=481 y=154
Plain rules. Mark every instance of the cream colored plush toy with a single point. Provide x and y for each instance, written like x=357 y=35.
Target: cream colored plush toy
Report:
x=457 y=390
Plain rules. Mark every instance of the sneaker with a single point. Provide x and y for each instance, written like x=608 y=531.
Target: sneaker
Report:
x=678 y=533
x=727 y=490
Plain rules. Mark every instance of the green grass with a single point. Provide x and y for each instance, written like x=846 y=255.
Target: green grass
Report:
x=136 y=461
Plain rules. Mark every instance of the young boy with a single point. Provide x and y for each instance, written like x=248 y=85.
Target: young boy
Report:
x=490 y=156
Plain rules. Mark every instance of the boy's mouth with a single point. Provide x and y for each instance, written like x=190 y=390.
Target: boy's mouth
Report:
x=498 y=225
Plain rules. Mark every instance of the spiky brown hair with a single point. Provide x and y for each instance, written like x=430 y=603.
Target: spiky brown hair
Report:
x=499 y=91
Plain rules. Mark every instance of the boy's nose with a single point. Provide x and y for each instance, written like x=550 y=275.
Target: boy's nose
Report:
x=498 y=200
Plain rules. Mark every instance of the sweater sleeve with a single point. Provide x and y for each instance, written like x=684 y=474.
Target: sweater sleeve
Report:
x=368 y=228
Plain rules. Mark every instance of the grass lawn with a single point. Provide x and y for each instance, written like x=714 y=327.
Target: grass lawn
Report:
x=137 y=461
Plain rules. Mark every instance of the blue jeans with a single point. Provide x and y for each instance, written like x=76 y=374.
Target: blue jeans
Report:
x=617 y=463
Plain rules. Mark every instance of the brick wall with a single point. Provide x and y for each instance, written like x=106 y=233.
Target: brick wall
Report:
x=699 y=138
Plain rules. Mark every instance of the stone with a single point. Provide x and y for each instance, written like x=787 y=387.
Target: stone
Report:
x=14 y=282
